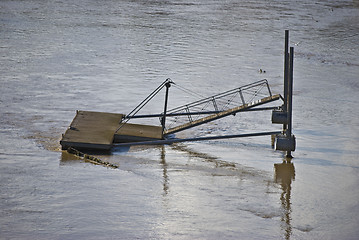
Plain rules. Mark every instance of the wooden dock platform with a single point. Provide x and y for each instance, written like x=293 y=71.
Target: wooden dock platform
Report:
x=92 y=130
x=138 y=133
x=99 y=130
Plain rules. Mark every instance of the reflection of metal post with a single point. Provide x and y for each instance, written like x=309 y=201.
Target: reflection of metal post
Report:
x=163 y=122
x=284 y=174
x=164 y=166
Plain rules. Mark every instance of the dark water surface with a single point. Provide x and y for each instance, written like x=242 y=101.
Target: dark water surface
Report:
x=61 y=56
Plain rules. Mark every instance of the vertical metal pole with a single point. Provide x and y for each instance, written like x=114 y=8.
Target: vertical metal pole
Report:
x=163 y=123
x=269 y=91
x=214 y=104
x=241 y=94
x=290 y=96
x=286 y=68
x=189 y=114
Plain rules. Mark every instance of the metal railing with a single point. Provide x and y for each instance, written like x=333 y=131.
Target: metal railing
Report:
x=221 y=101
x=215 y=104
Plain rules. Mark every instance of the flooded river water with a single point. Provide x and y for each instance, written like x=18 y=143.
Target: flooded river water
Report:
x=61 y=56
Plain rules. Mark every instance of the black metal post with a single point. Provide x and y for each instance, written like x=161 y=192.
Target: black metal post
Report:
x=163 y=123
x=286 y=69
x=290 y=97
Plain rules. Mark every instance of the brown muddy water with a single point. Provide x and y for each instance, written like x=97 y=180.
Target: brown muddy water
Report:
x=61 y=56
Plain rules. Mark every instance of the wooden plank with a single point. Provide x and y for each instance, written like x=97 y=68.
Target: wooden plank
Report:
x=222 y=114
x=138 y=132
x=94 y=130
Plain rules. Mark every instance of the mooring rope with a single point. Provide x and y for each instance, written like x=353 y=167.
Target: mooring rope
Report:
x=89 y=158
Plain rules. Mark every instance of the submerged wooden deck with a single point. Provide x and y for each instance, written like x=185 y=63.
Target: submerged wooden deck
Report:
x=137 y=133
x=93 y=130
x=99 y=130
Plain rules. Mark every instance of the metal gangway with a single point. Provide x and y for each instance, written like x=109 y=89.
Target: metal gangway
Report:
x=208 y=109
x=221 y=105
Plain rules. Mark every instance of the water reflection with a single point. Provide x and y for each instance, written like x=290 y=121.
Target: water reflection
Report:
x=284 y=175
x=164 y=168
x=204 y=156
